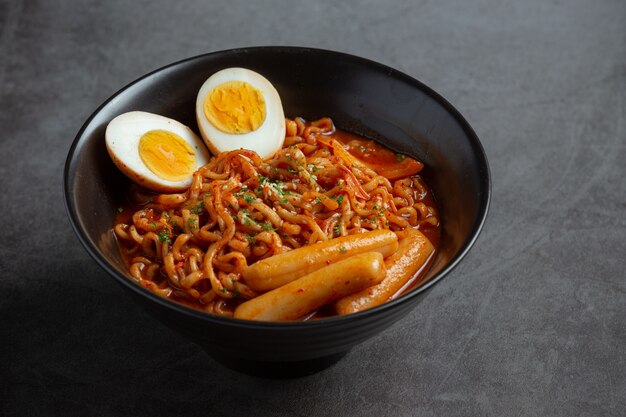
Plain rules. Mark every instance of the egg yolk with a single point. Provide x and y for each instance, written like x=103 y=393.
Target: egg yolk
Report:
x=235 y=107
x=167 y=155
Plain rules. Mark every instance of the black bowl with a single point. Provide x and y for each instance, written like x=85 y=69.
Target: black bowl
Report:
x=361 y=96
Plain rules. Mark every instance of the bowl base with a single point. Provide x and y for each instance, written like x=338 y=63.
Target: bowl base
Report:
x=275 y=369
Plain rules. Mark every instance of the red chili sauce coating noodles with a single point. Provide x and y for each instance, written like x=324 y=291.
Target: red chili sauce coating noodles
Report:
x=324 y=183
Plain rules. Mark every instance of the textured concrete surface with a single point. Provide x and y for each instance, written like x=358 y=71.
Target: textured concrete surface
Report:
x=531 y=323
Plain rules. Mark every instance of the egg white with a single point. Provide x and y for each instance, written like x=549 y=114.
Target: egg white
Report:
x=267 y=139
x=122 y=141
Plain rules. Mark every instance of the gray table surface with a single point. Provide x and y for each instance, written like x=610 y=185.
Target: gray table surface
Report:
x=531 y=323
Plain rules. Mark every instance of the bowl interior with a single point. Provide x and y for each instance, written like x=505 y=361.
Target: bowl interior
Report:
x=359 y=95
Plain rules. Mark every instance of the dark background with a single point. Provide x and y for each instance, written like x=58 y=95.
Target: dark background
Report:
x=531 y=322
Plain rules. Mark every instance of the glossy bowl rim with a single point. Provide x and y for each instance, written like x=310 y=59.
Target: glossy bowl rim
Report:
x=485 y=199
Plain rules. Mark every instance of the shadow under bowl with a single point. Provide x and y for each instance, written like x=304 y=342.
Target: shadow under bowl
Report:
x=360 y=96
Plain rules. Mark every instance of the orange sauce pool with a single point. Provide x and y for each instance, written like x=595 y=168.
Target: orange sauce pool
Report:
x=377 y=157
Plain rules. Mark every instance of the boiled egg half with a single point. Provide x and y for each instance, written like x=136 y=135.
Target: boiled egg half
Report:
x=238 y=108
x=154 y=151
